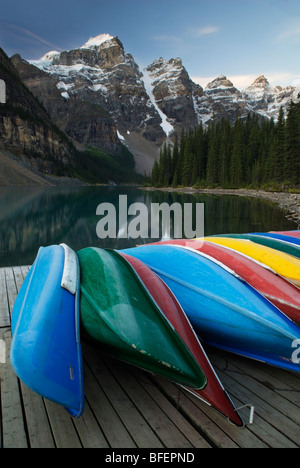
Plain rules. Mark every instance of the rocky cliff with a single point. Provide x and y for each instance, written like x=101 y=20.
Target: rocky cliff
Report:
x=26 y=128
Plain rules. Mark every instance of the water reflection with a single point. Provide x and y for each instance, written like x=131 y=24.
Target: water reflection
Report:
x=31 y=217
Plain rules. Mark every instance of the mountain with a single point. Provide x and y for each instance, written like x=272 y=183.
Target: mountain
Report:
x=99 y=96
x=266 y=100
x=26 y=129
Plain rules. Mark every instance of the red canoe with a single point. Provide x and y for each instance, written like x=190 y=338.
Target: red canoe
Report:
x=213 y=394
x=283 y=294
x=288 y=233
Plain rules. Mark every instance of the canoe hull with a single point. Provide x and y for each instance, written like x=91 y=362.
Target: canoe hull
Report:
x=119 y=314
x=214 y=393
x=46 y=350
x=280 y=237
x=224 y=311
x=268 y=241
x=283 y=264
x=289 y=233
x=283 y=294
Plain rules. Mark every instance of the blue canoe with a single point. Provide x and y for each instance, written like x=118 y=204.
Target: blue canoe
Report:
x=46 y=350
x=225 y=311
x=281 y=237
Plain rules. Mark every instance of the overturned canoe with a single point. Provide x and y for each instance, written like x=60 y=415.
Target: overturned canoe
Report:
x=282 y=293
x=214 y=393
x=289 y=233
x=46 y=350
x=281 y=237
x=268 y=241
x=224 y=311
x=119 y=313
x=284 y=264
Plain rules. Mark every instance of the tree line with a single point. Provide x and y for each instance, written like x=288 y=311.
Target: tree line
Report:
x=253 y=152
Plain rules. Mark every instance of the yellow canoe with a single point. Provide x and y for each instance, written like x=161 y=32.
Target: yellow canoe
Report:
x=284 y=264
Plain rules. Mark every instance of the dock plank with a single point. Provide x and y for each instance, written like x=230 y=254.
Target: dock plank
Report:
x=4 y=309
x=128 y=408
x=13 y=428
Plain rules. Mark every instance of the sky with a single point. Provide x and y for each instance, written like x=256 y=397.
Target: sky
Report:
x=240 y=39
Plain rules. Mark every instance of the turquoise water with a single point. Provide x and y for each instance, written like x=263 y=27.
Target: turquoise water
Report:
x=31 y=217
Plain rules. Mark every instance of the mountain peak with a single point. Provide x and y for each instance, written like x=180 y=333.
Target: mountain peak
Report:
x=221 y=81
x=97 y=41
x=261 y=81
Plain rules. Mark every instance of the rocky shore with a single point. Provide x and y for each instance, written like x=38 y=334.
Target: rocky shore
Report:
x=287 y=201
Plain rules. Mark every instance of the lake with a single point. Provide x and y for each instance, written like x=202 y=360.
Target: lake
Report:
x=39 y=216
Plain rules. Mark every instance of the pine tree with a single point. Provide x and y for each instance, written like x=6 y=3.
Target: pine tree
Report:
x=236 y=168
x=278 y=149
x=187 y=167
x=292 y=145
x=224 y=152
x=155 y=174
x=212 y=156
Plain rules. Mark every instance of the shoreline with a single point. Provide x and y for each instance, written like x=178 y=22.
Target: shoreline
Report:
x=287 y=201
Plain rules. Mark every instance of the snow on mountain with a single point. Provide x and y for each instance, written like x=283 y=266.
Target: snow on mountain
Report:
x=164 y=89
x=96 y=41
x=266 y=100
x=148 y=82
x=147 y=106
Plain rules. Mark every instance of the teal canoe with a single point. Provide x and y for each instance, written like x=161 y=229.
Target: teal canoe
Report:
x=119 y=314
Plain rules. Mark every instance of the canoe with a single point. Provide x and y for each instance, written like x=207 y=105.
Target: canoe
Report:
x=289 y=233
x=280 y=237
x=284 y=264
x=225 y=312
x=45 y=349
x=276 y=244
x=283 y=294
x=119 y=314
x=214 y=393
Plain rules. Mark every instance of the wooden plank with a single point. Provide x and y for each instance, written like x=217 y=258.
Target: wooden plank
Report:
x=164 y=428
x=89 y=431
x=19 y=277
x=62 y=426
x=4 y=309
x=135 y=423
x=264 y=392
x=111 y=425
x=248 y=390
x=267 y=419
x=284 y=383
x=36 y=420
x=207 y=426
x=14 y=432
x=11 y=288
x=171 y=411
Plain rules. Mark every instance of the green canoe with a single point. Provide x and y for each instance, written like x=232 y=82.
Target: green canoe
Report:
x=286 y=247
x=118 y=311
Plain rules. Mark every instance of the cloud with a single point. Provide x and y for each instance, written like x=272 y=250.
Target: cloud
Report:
x=26 y=34
x=292 y=32
x=204 y=31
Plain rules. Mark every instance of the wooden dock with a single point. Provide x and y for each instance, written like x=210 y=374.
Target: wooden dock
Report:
x=128 y=408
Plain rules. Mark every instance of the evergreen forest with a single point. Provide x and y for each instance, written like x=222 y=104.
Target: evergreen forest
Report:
x=255 y=152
